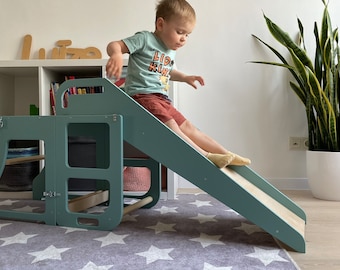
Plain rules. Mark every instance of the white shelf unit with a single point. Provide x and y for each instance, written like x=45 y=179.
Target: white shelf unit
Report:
x=26 y=82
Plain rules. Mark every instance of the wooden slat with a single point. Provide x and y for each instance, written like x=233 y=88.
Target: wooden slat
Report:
x=87 y=201
x=19 y=160
x=137 y=205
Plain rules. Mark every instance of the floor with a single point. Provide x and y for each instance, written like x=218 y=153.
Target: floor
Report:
x=322 y=232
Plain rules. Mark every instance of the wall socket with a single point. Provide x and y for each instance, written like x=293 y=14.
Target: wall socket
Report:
x=298 y=143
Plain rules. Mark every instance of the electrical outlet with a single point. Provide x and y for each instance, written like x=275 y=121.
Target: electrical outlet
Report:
x=298 y=143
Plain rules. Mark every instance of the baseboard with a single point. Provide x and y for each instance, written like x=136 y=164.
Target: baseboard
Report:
x=290 y=183
x=279 y=183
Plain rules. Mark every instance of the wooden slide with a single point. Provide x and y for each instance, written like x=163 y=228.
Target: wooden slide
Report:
x=240 y=188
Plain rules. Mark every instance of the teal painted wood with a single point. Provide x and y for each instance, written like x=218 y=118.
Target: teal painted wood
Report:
x=107 y=130
x=32 y=128
x=53 y=179
x=38 y=185
x=146 y=133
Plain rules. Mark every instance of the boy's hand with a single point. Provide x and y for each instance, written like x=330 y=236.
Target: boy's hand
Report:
x=178 y=76
x=191 y=80
x=114 y=66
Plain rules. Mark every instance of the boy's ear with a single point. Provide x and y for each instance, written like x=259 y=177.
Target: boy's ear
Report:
x=159 y=23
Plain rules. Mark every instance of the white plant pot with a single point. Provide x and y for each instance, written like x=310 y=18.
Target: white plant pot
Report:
x=323 y=173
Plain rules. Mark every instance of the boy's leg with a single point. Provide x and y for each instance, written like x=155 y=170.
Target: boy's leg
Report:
x=174 y=126
x=220 y=159
x=209 y=145
x=203 y=140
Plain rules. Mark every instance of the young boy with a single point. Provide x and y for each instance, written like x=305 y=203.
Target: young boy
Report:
x=151 y=66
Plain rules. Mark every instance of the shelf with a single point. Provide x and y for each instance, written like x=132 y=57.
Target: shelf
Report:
x=53 y=63
x=25 y=82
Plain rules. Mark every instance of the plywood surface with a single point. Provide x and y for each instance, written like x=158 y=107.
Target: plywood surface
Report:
x=285 y=214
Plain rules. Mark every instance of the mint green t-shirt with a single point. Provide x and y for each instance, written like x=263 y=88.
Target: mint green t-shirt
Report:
x=150 y=63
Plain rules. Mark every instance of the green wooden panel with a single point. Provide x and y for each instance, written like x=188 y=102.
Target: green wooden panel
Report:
x=108 y=131
x=32 y=128
x=146 y=133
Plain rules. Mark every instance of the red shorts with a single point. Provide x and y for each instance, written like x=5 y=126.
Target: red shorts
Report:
x=160 y=106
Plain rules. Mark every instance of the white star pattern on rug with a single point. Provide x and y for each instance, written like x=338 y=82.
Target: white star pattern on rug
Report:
x=155 y=254
x=204 y=218
x=50 y=253
x=19 y=238
x=92 y=266
x=27 y=209
x=249 y=228
x=111 y=238
x=130 y=217
x=208 y=266
x=96 y=209
x=206 y=240
x=266 y=256
x=7 y=202
x=131 y=201
x=199 y=203
x=165 y=210
x=70 y=230
x=174 y=234
x=3 y=225
x=162 y=227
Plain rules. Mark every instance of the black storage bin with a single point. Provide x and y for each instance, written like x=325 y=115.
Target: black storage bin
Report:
x=19 y=177
x=81 y=153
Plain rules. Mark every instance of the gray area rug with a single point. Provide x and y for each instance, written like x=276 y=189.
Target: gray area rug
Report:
x=193 y=232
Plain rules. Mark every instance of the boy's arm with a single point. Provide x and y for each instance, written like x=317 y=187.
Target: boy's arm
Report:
x=114 y=66
x=178 y=76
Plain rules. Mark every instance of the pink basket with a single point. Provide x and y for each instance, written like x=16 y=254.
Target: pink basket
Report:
x=137 y=179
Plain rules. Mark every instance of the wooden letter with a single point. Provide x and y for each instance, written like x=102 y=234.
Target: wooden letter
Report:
x=26 y=48
x=42 y=53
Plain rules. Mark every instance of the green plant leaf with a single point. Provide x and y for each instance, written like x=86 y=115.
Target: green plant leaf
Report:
x=324 y=111
x=283 y=60
x=299 y=92
x=318 y=54
x=318 y=86
x=302 y=37
x=286 y=41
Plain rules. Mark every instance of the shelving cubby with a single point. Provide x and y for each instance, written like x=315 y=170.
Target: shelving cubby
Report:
x=25 y=82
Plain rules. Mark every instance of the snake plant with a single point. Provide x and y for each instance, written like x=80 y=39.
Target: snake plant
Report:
x=316 y=83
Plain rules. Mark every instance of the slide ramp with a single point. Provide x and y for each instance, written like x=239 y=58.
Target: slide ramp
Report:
x=240 y=188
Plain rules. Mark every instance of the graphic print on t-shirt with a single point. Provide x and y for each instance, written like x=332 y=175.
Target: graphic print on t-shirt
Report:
x=162 y=64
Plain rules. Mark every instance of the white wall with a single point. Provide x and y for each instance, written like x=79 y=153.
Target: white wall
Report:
x=248 y=108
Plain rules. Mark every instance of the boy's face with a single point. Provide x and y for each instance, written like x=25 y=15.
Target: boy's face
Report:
x=174 y=32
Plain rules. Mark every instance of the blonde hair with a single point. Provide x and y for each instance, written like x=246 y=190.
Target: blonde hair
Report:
x=167 y=9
